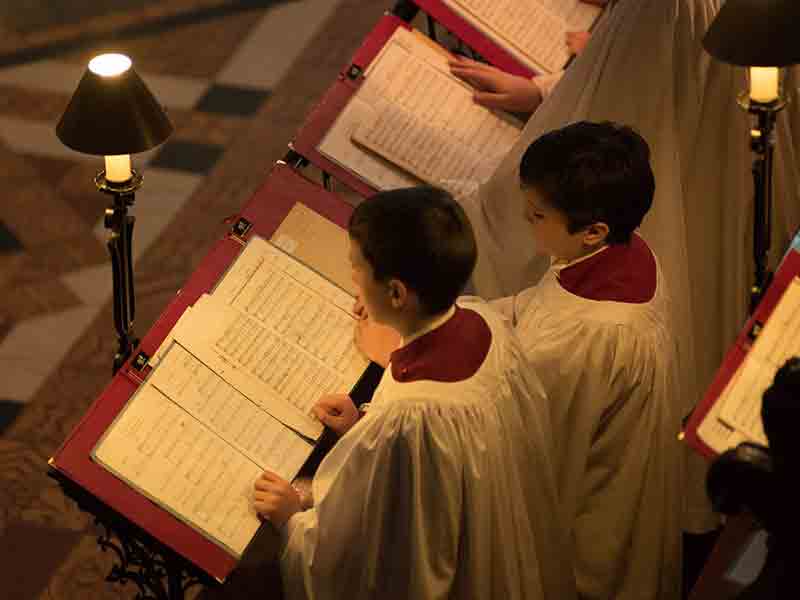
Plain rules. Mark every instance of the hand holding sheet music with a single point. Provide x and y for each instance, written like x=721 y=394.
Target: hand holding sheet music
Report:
x=534 y=31
x=446 y=139
x=425 y=120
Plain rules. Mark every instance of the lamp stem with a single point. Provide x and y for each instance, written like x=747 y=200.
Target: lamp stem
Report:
x=120 y=237
x=763 y=145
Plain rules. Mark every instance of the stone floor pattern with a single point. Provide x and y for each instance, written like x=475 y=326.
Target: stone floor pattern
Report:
x=237 y=79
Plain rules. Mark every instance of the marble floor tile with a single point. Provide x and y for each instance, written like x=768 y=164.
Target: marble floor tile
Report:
x=34 y=347
x=33 y=548
x=262 y=60
x=39 y=298
x=93 y=285
x=61 y=77
x=38 y=216
x=194 y=49
x=39 y=138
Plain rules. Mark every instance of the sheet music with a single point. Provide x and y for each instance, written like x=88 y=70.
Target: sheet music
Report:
x=534 y=31
x=170 y=457
x=426 y=121
x=338 y=146
x=393 y=80
x=777 y=342
x=263 y=267
x=228 y=413
x=296 y=302
x=270 y=364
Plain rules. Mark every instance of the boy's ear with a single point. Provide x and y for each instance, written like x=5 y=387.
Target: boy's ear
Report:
x=596 y=234
x=398 y=293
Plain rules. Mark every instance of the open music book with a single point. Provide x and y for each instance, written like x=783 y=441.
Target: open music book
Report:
x=736 y=416
x=533 y=31
x=412 y=120
x=231 y=393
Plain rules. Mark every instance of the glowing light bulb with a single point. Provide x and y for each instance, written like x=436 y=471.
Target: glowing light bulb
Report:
x=109 y=65
x=764 y=84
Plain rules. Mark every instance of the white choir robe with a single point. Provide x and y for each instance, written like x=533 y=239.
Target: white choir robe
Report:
x=444 y=488
x=597 y=334
x=645 y=67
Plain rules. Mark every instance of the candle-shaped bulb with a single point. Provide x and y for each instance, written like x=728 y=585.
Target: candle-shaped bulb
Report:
x=118 y=168
x=764 y=84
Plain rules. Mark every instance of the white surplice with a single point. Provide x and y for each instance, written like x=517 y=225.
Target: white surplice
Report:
x=645 y=67
x=608 y=367
x=444 y=489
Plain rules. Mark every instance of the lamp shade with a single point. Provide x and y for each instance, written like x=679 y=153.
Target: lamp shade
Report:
x=112 y=114
x=756 y=33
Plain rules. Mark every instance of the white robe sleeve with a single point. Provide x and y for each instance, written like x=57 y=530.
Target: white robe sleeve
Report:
x=388 y=518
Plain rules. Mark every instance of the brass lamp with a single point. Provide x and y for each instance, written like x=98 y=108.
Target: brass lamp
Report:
x=113 y=114
x=761 y=35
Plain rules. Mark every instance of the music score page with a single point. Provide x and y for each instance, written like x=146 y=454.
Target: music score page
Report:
x=533 y=31
x=425 y=120
x=195 y=445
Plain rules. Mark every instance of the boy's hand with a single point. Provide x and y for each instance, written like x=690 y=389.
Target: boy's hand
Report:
x=359 y=310
x=577 y=40
x=595 y=2
x=497 y=89
x=275 y=499
x=337 y=412
x=376 y=341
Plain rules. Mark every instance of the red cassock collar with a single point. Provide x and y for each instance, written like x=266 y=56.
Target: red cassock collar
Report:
x=620 y=273
x=452 y=352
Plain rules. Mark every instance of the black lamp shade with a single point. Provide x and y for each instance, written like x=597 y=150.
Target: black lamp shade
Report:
x=756 y=33
x=113 y=115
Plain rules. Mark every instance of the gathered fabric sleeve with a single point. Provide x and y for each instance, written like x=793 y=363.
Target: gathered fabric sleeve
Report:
x=387 y=514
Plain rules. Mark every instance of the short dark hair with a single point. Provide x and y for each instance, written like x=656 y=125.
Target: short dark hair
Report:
x=420 y=236
x=593 y=172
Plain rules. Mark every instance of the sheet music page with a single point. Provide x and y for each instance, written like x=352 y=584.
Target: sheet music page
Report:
x=231 y=415
x=338 y=146
x=173 y=459
x=296 y=303
x=534 y=31
x=579 y=16
x=382 y=86
x=426 y=121
x=778 y=341
x=284 y=367
x=314 y=240
x=167 y=342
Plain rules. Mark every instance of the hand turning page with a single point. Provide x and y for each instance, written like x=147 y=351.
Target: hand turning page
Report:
x=534 y=31
x=425 y=120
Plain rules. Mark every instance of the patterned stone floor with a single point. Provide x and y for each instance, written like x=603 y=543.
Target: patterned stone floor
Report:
x=237 y=79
